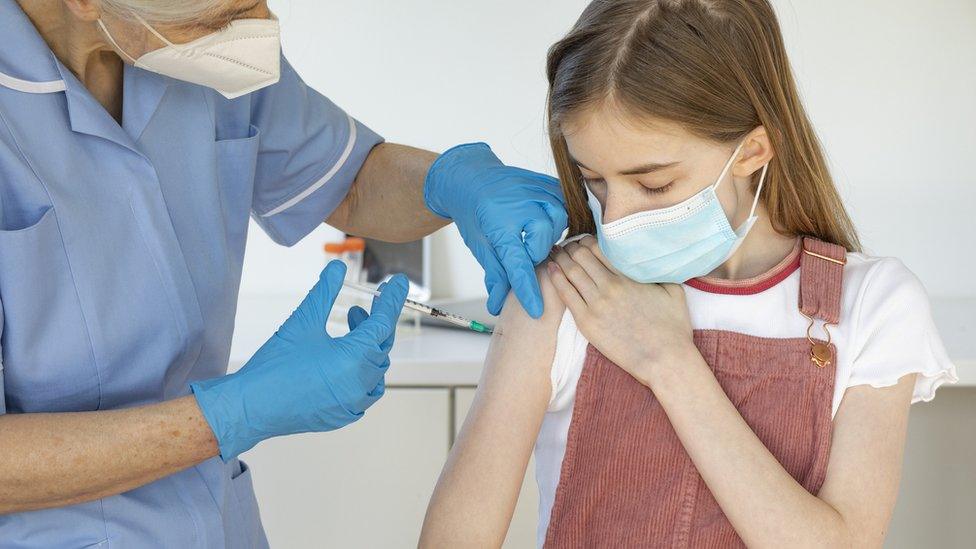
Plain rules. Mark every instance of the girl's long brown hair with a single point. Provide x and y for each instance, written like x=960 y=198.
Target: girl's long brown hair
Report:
x=716 y=67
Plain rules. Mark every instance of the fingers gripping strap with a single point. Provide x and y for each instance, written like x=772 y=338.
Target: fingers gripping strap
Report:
x=821 y=278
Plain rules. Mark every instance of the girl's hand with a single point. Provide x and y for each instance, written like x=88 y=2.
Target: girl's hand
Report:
x=637 y=326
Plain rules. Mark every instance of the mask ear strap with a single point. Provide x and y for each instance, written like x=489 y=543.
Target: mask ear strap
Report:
x=762 y=181
x=592 y=202
x=728 y=165
x=112 y=40
x=154 y=31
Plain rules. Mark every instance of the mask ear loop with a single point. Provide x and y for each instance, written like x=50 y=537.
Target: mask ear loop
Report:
x=762 y=181
x=762 y=178
x=144 y=24
x=594 y=204
x=728 y=165
x=155 y=32
x=114 y=43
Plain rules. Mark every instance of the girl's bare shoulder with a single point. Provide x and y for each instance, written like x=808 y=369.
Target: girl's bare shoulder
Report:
x=524 y=339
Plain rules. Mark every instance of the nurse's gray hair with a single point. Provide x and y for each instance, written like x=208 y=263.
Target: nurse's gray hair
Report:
x=162 y=11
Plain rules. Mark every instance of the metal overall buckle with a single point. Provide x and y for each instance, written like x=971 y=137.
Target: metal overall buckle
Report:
x=819 y=351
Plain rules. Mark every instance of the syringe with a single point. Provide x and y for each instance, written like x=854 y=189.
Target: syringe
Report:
x=427 y=310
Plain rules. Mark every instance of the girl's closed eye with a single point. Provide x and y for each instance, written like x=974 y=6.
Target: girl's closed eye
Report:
x=657 y=190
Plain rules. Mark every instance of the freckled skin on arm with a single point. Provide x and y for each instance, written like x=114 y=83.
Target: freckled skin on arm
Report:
x=392 y=182
x=53 y=460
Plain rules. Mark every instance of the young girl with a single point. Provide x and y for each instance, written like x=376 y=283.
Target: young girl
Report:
x=720 y=365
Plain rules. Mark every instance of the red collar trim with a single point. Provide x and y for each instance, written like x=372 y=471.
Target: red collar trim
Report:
x=751 y=286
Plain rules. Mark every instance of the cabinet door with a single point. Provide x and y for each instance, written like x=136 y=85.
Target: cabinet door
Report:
x=525 y=521
x=364 y=486
x=937 y=501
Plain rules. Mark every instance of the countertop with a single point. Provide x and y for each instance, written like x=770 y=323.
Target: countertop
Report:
x=431 y=357
x=445 y=357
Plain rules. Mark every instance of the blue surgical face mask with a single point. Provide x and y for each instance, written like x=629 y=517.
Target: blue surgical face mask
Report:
x=675 y=244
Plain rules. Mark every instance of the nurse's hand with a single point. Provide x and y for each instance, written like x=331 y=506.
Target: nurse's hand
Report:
x=304 y=380
x=508 y=217
x=640 y=327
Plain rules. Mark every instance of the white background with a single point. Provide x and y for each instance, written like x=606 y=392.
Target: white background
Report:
x=890 y=86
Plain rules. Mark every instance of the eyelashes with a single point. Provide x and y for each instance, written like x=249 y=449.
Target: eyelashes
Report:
x=656 y=191
x=659 y=190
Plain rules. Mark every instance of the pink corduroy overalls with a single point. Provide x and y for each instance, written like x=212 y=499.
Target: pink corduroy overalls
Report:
x=626 y=480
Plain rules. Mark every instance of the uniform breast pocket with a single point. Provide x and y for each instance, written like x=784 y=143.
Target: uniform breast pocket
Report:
x=236 y=165
x=47 y=354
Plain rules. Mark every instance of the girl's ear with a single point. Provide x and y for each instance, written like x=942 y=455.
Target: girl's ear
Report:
x=85 y=10
x=757 y=151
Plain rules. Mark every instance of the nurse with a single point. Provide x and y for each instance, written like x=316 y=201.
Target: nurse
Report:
x=137 y=137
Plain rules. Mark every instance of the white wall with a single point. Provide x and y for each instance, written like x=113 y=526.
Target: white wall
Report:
x=890 y=86
x=889 y=83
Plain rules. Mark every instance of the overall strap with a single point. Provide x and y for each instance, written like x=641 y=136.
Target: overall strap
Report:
x=821 y=282
x=821 y=279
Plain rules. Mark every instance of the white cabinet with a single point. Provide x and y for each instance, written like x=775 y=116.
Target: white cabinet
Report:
x=938 y=487
x=365 y=486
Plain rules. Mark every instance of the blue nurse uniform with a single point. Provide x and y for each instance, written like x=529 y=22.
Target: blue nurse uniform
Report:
x=120 y=261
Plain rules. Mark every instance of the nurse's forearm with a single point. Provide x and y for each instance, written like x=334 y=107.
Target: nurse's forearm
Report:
x=386 y=201
x=53 y=460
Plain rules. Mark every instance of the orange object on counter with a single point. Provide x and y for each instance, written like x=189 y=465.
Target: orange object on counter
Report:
x=355 y=244
x=334 y=247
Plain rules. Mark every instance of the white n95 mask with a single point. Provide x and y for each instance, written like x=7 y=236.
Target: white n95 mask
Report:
x=675 y=244
x=240 y=59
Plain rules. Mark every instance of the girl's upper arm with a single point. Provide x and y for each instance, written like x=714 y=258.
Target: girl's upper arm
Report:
x=864 y=470
x=479 y=486
x=519 y=362
x=897 y=357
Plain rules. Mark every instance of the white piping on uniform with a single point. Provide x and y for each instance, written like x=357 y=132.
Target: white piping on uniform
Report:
x=31 y=87
x=325 y=179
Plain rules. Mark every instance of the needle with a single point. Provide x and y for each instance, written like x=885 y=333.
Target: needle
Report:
x=428 y=310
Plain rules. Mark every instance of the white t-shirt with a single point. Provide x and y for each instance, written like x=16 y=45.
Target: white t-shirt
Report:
x=885 y=332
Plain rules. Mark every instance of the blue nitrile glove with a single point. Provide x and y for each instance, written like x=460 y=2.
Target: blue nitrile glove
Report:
x=303 y=380
x=493 y=205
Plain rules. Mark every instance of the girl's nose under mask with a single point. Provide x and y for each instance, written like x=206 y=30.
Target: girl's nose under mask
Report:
x=675 y=244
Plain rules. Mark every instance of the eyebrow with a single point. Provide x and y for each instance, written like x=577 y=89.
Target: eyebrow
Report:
x=639 y=170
